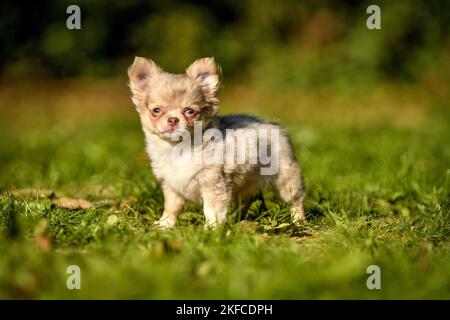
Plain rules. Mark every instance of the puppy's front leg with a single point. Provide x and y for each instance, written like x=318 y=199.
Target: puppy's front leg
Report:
x=216 y=197
x=173 y=204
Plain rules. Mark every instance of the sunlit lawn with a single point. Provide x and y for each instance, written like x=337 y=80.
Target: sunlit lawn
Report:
x=377 y=174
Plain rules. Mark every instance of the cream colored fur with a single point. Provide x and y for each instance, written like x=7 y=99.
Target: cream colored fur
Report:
x=168 y=103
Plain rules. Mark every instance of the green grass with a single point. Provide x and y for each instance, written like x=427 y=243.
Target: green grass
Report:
x=376 y=194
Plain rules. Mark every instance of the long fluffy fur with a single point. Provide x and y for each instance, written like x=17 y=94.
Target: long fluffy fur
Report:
x=213 y=185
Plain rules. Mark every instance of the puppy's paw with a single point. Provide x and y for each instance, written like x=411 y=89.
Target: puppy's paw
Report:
x=213 y=225
x=209 y=226
x=297 y=214
x=164 y=223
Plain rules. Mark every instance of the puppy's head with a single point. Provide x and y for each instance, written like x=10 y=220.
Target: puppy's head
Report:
x=169 y=103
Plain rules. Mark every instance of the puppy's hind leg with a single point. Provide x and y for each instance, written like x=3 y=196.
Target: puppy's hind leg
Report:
x=290 y=186
x=216 y=197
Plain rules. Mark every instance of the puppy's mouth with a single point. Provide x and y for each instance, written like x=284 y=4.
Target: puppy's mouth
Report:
x=172 y=133
x=170 y=130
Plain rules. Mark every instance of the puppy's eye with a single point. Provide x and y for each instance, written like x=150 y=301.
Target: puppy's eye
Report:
x=156 y=110
x=189 y=112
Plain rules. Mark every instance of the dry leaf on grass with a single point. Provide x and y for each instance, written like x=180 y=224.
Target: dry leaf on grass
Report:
x=128 y=202
x=44 y=242
x=70 y=203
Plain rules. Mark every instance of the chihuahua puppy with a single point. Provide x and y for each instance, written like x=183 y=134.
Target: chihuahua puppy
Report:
x=174 y=106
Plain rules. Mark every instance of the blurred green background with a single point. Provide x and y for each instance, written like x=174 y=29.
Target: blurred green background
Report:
x=300 y=44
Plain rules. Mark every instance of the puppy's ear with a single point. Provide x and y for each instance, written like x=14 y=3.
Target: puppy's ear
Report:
x=140 y=73
x=207 y=73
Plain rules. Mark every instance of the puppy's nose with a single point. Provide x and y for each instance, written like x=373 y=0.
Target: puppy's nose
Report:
x=173 y=121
